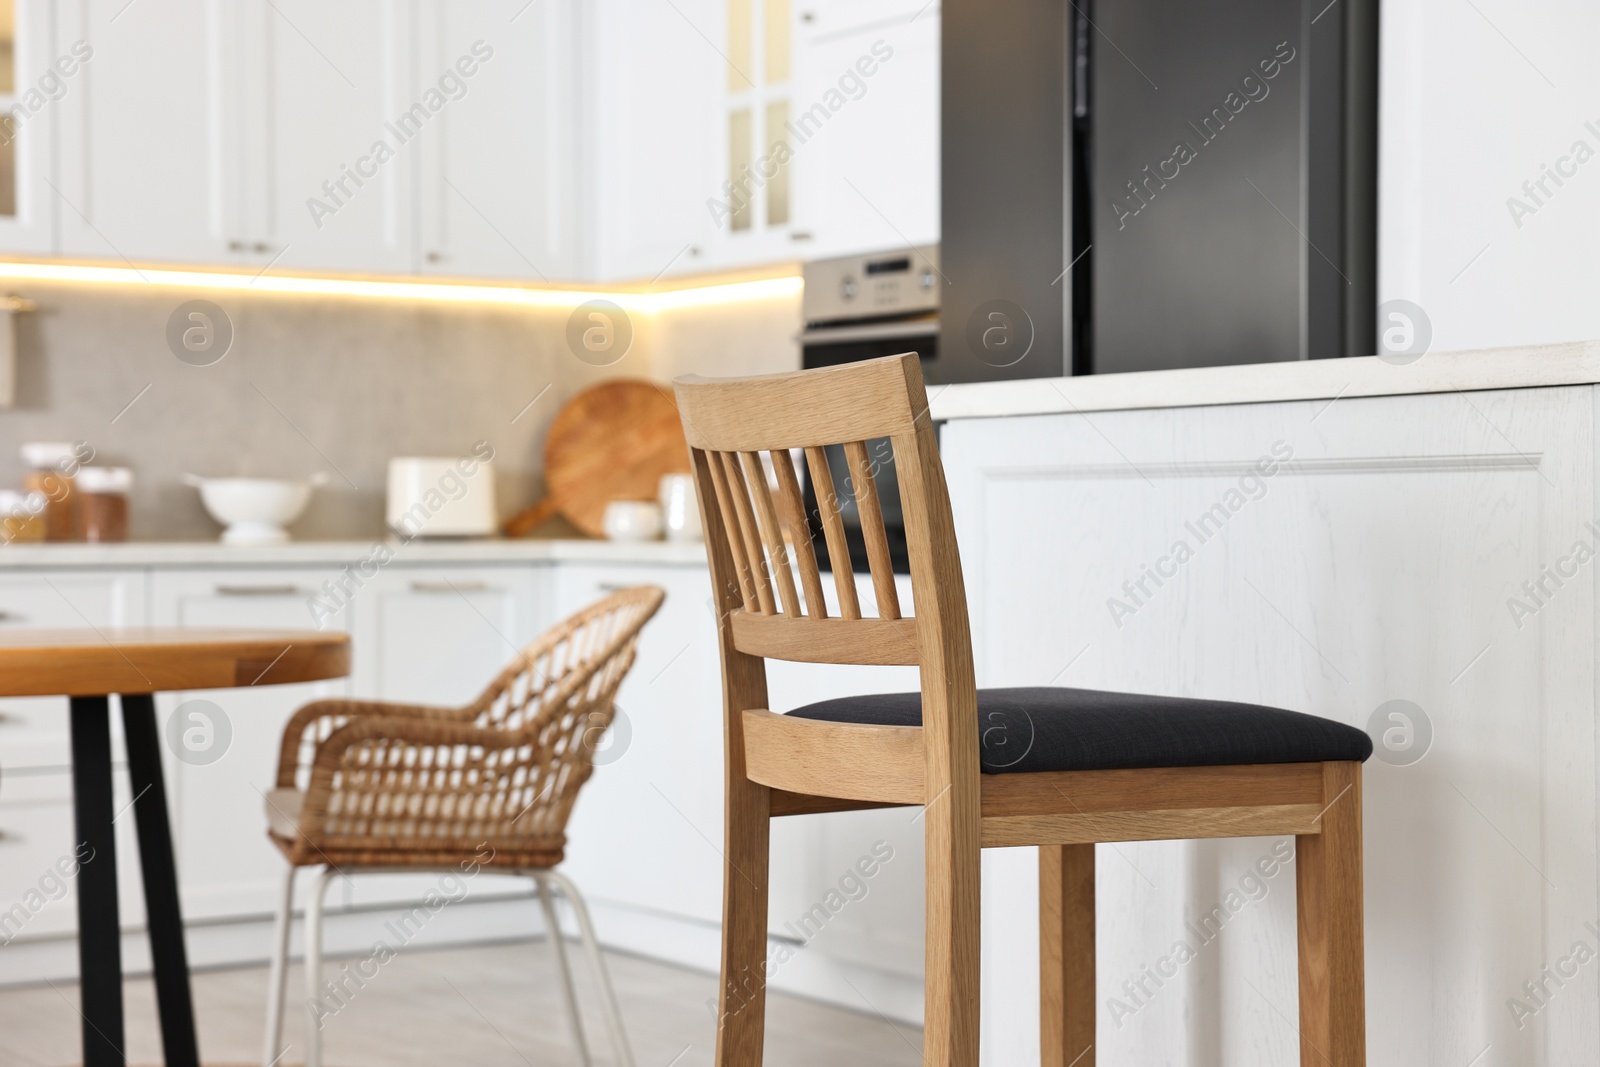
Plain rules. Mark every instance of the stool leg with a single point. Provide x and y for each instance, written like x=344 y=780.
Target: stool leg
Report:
x=559 y=945
x=1066 y=955
x=951 y=985
x=1328 y=888
x=272 y=1050
x=591 y=946
x=742 y=1002
x=314 y=993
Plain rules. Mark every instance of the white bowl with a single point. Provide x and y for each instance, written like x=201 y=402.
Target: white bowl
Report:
x=255 y=510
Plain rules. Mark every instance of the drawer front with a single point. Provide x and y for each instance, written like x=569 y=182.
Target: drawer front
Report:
x=71 y=600
x=34 y=734
x=40 y=855
x=438 y=635
x=33 y=730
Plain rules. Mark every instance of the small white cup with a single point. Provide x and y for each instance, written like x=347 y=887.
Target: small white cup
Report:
x=632 y=520
x=680 y=511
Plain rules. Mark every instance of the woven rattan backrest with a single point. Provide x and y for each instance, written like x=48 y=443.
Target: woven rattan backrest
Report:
x=560 y=694
x=441 y=783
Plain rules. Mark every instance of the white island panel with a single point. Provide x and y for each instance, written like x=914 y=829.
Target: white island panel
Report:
x=1374 y=563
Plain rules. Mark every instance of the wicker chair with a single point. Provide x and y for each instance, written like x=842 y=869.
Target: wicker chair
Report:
x=369 y=786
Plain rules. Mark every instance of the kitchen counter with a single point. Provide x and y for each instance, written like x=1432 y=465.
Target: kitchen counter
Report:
x=216 y=554
x=1258 y=383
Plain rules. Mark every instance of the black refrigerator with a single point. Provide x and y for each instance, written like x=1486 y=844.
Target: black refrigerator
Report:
x=1149 y=185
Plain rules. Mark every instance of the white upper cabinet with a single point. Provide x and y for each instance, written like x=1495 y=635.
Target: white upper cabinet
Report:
x=653 y=103
x=140 y=133
x=733 y=133
x=500 y=161
x=865 y=125
x=324 y=134
x=243 y=133
x=753 y=208
x=542 y=142
x=32 y=87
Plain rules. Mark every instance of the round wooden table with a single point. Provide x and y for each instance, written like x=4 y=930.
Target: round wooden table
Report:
x=88 y=666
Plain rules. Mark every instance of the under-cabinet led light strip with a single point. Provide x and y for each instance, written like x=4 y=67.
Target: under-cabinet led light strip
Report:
x=445 y=292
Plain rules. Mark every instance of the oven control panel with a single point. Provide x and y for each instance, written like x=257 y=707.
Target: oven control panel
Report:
x=872 y=286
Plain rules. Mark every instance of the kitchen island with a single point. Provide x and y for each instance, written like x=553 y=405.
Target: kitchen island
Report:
x=1410 y=549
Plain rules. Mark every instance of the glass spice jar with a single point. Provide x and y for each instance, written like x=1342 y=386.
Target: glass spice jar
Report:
x=21 y=517
x=50 y=474
x=103 y=502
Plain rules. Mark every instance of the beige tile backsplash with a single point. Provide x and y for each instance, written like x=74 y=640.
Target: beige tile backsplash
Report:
x=331 y=384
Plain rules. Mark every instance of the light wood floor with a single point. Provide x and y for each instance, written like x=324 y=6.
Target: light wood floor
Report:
x=489 y=1006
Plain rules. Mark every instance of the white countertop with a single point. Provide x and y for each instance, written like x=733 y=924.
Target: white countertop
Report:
x=1260 y=383
x=216 y=554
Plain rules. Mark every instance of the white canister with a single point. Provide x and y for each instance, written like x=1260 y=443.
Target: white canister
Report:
x=680 y=510
x=441 y=496
x=632 y=520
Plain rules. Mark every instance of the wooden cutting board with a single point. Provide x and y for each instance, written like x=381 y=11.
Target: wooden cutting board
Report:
x=613 y=441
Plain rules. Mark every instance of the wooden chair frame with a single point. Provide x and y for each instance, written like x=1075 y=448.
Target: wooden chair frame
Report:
x=769 y=597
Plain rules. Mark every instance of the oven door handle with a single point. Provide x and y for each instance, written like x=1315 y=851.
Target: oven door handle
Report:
x=873 y=331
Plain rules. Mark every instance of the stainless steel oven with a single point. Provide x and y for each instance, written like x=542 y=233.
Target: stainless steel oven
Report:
x=863 y=307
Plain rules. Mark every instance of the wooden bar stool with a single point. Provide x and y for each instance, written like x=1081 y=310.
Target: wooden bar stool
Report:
x=1097 y=766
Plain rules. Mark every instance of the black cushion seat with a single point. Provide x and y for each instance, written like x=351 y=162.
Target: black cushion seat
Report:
x=1057 y=729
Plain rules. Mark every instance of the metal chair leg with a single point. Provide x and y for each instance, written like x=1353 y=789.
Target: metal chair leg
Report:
x=272 y=1048
x=557 y=942
x=591 y=944
x=319 y=893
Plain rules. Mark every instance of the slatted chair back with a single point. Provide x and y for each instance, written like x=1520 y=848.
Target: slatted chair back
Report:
x=768 y=586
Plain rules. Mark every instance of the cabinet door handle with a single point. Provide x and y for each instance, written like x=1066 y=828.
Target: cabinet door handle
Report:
x=7 y=837
x=613 y=587
x=257 y=590
x=449 y=587
x=7 y=717
x=237 y=246
x=11 y=616
x=436 y=257
x=261 y=246
x=800 y=235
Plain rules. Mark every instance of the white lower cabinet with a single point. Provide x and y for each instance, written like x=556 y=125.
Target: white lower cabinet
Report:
x=36 y=823
x=439 y=635
x=222 y=754
x=40 y=855
x=646 y=831
x=33 y=730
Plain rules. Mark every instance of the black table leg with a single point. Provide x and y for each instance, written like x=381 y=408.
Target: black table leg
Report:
x=160 y=882
x=99 y=932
